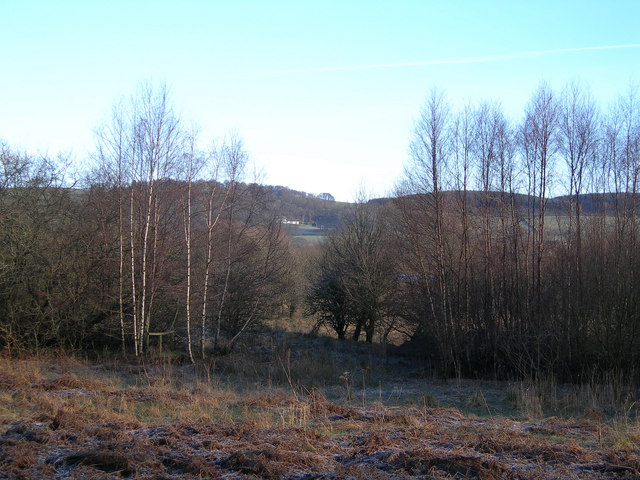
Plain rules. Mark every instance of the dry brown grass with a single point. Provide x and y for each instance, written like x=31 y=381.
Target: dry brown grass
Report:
x=67 y=418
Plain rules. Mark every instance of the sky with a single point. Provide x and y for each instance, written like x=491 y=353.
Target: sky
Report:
x=324 y=94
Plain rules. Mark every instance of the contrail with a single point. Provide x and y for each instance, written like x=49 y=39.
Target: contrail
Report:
x=453 y=61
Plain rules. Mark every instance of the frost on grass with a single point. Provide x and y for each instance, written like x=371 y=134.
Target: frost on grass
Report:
x=74 y=427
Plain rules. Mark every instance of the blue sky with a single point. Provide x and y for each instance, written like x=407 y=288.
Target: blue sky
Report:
x=288 y=77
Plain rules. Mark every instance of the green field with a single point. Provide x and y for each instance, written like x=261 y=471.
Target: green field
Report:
x=306 y=234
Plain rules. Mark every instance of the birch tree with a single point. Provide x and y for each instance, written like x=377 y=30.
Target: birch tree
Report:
x=578 y=146
x=421 y=207
x=229 y=159
x=141 y=144
x=540 y=140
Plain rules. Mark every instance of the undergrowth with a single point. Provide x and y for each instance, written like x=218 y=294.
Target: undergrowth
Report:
x=275 y=417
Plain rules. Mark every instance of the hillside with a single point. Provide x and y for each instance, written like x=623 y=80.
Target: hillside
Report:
x=304 y=207
x=590 y=203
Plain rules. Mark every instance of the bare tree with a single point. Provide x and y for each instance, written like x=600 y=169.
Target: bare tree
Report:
x=463 y=135
x=368 y=274
x=263 y=273
x=326 y=296
x=231 y=159
x=37 y=305
x=578 y=146
x=145 y=135
x=486 y=128
x=193 y=164
x=540 y=140
x=113 y=147
x=421 y=207
x=355 y=280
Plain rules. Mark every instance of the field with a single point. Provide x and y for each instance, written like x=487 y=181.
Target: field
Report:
x=303 y=408
x=307 y=234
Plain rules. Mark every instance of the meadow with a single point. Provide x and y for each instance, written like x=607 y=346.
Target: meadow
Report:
x=298 y=406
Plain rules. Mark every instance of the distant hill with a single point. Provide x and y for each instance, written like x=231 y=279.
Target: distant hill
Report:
x=590 y=203
x=319 y=210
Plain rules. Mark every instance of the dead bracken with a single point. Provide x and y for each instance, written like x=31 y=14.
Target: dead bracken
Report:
x=78 y=425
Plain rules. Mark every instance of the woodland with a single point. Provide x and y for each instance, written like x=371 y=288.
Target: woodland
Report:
x=509 y=249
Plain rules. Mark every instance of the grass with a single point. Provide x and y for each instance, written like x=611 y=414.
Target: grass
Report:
x=306 y=406
x=305 y=234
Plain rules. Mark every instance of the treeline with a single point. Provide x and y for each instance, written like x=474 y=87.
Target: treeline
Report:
x=160 y=237
x=472 y=261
